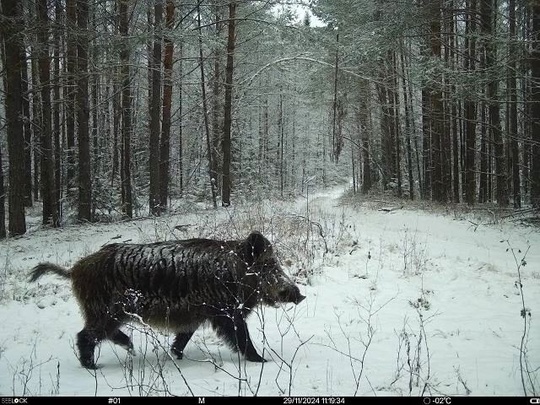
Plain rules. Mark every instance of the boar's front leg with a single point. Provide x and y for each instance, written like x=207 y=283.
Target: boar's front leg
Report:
x=87 y=339
x=233 y=329
x=180 y=342
x=95 y=332
x=120 y=338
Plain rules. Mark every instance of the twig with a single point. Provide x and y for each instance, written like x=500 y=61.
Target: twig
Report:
x=525 y=312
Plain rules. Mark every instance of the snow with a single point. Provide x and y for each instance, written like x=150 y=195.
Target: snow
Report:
x=400 y=301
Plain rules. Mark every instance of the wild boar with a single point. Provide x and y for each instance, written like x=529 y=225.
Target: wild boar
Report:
x=175 y=286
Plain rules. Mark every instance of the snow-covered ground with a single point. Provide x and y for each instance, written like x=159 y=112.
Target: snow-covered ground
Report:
x=400 y=301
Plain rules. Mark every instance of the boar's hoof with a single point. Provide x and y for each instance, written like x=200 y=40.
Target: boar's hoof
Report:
x=254 y=357
x=178 y=353
x=90 y=365
x=179 y=344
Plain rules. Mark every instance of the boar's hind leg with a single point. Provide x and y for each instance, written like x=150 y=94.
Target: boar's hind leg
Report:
x=233 y=329
x=180 y=342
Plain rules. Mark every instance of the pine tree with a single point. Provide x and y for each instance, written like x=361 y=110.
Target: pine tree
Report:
x=126 y=111
x=50 y=206
x=227 y=121
x=83 y=115
x=535 y=105
x=12 y=44
x=155 y=111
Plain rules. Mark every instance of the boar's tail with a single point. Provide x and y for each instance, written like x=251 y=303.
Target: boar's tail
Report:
x=46 y=267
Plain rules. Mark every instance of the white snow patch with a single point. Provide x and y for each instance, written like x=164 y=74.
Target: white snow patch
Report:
x=399 y=302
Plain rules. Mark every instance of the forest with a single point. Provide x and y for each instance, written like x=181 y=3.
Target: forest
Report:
x=116 y=109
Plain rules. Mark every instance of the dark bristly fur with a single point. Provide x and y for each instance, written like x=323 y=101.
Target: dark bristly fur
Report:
x=177 y=286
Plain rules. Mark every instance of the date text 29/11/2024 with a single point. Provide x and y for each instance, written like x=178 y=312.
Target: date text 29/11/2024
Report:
x=313 y=400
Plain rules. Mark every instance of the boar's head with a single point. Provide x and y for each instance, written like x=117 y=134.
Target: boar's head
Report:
x=275 y=285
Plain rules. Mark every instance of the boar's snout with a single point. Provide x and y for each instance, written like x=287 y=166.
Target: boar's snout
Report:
x=299 y=298
x=291 y=294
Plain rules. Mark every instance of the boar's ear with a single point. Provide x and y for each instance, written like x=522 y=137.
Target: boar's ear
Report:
x=256 y=245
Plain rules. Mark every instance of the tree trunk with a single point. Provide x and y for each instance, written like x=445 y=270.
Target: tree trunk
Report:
x=484 y=191
x=336 y=105
x=425 y=185
x=164 y=150
x=155 y=111
x=180 y=107
x=70 y=92
x=83 y=114
x=117 y=112
x=36 y=113
x=512 y=106
x=205 y=112
x=227 y=117
x=216 y=97
x=456 y=124
x=97 y=165
x=13 y=63
x=409 y=124
x=263 y=136
x=387 y=135
x=524 y=70
x=535 y=105
x=28 y=132
x=397 y=129
x=447 y=101
x=438 y=188
x=56 y=128
x=487 y=11
x=3 y=232
x=50 y=207
x=125 y=161
x=469 y=178
x=280 y=150
x=365 y=124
